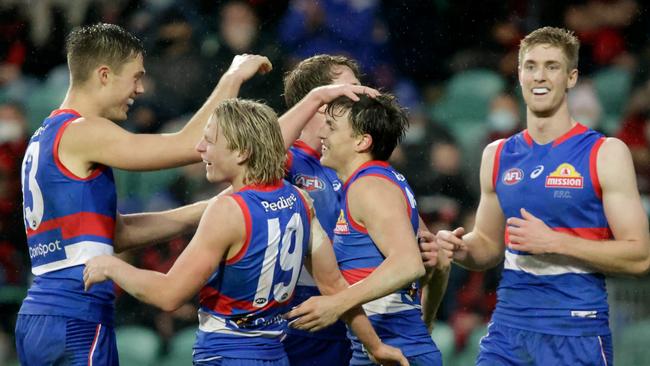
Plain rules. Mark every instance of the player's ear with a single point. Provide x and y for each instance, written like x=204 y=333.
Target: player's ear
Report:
x=103 y=72
x=242 y=156
x=363 y=143
x=573 y=78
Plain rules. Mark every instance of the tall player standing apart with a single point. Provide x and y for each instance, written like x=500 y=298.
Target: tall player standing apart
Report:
x=247 y=251
x=69 y=193
x=375 y=236
x=566 y=199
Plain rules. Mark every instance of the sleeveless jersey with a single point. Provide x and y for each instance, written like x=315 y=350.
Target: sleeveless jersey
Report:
x=304 y=170
x=396 y=317
x=242 y=304
x=68 y=220
x=558 y=183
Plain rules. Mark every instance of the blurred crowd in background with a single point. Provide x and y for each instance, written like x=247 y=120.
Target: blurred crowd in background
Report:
x=453 y=64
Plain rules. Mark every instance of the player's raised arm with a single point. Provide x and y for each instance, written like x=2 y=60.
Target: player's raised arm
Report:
x=295 y=119
x=97 y=140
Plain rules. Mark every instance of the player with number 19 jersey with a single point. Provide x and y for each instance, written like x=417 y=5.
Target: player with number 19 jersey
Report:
x=68 y=220
x=242 y=304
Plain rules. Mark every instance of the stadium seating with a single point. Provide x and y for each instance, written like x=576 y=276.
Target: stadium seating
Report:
x=613 y=87
x=443 y=335
x=180 y=348
x=468 y=355
x=467 y=96
x=137 y=346
x=631 y=348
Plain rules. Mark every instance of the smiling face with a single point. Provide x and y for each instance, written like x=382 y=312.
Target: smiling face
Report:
x=338 y=141
x=545 y=77
x=221 y=163
x=122 y=87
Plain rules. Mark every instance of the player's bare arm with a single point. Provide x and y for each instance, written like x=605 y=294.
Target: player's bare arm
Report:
x=389 y=227
x=139 y=230
x=293 y=121
x=629 y=252
x=321 y=264
x=95 y=140
x=483 y=247
x=434 y=285
x=191 y=270
x=148 y=228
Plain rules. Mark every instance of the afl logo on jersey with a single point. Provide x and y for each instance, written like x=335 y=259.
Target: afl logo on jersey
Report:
x=564 y=176
x=512 y=176
x=309 y=183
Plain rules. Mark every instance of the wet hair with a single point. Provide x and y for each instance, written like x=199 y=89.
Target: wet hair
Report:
x=314 y=72
x=252 y=127
x=90 y=46
x=557 y=37
x=381 y=117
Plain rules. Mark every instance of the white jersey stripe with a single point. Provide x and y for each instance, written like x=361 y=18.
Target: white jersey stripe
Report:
x=544 y=264
x=212 y=324
x=77 y=254
x=388 y=304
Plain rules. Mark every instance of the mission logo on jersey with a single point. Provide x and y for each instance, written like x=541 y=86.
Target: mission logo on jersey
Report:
x=564 y=176
x=309 y=183
x=341 y=225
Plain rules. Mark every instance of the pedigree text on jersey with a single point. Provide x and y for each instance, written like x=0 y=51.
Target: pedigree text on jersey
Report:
x=280 y=204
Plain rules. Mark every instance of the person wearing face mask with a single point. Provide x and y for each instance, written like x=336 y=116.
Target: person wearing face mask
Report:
x=560 y=207
x=503 y=119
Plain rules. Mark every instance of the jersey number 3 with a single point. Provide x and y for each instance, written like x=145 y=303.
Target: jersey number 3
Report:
x=31 y=190
x=289 y=261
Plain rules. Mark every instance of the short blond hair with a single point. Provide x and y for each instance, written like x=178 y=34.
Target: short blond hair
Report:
x=561 y=38
x=252 y=127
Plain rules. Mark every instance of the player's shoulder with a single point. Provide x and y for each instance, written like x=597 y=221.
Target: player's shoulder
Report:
x=370 y=187
x=612 y=153
x=613 y=145
x=224 y=210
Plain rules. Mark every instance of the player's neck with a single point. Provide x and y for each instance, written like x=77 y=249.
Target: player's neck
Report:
x=81 y=101
x=351 y=166
x=237 y=182
x=544 y=129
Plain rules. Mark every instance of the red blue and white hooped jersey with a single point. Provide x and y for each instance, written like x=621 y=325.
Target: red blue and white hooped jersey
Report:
x=558 y=183
x=68 y=220
x=304 y=170
x=397 y=317
x=242 y=304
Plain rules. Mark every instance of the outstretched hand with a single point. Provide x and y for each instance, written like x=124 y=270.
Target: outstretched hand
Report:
x=453 y=240
x=96 y=270
x=386 y=355
x=434 y=255
x=246 y=66
x=315 y=313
